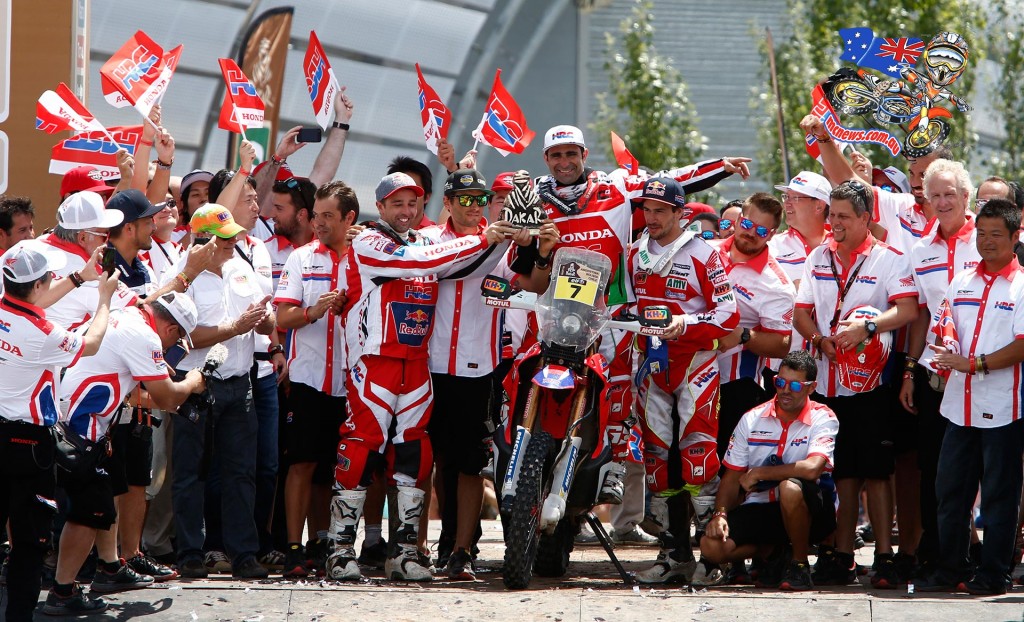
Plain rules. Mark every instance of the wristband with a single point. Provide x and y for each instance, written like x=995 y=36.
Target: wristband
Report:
x=185 y=281
x=908 y=375
x=275 y=349
x=276 y=160
x=825 y=139
x=815 y=340
x=720 y=513
x=244 y=171
x=305 y=316
x=543 y=262
x=340 y=126
x=76 y=279
x=972 y=365
x=148 y=143
x=984 y=364
x=166 y=166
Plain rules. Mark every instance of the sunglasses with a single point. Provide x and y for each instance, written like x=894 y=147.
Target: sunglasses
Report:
x=760 y=230
x=725 y=223
x=466 y=200
x=790 y=196
x=707 y=235
x=98 y=234
x=794 y=385
x=859 y=188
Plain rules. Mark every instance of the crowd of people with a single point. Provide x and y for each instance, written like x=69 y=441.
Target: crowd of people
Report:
x=202 y=372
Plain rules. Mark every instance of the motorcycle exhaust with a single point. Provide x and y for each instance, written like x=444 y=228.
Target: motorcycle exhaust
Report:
x=565 y=468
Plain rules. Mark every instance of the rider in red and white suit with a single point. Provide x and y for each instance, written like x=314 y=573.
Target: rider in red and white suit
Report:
x=392 y=280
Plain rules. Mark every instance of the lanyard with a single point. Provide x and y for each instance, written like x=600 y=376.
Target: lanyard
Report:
x=843 y=290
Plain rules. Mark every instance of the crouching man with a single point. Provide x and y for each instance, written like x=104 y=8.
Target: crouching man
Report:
x=778 y=454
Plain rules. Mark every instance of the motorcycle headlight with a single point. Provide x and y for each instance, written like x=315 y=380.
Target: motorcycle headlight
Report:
x=571 y=324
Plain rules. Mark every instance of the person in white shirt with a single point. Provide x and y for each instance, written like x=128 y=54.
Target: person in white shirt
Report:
x=805 y=201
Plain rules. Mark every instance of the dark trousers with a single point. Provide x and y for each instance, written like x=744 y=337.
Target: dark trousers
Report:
x=234 y=442
x=735 y=399
x=931 y=428
x=27 y=500
x=991 y=456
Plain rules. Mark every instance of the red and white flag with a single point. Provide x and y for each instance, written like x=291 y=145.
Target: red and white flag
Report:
x=436 y=117
x=503 y=125
x=623 y=157
x=320 y=82
x=242 y=106
x=113 y=96
x=138 y=71
x=61 y=111
x=821 y=108
x=95 y=149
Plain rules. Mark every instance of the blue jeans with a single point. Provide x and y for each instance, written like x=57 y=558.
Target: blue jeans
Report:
x=234 y=444
x=991 y=456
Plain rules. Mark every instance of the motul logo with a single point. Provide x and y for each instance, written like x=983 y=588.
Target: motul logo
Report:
x=586 y=236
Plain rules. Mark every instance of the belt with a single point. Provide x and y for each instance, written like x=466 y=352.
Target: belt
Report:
x=229 y=380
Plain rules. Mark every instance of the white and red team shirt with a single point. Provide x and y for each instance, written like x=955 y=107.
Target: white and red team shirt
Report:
x=466 y=340
x=180 y=233
x=790 y=250
x=883 y=277
x=936 y=261
x=764 y=297
x=32 y=348
x=94 y=389
x=694 y=284
x=162 y=258
x=392 y=288
x=280 y=249
x=902 y=218
x=255 y=251
x=220 y=299
x=76 y=307
x=316 y=352
x=981 y=313
x=761 y=434
x=605 y=220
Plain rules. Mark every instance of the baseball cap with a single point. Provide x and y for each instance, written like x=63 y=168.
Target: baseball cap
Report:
x=503 y=181
x=564 y=135
x=664 y=189
x=810 y=184
x=214 y=219
x=133 y=204
x=465 y=179
x=84 y=210
x=183 y=310
x=191 y=178
x=897 y=181
x=393 y=183
x=284 y=172
x=29 y=260
x=700 y=208
x=82 y=178
x=860 y=368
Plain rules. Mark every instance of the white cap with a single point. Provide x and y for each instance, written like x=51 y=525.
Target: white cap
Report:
x=182 y=309
x=29 y=260
x=810 y=184
x=897 y=177
x=84 y=210
x=564 y=135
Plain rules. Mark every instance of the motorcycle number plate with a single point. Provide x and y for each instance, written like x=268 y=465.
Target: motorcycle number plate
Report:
x=576 y=289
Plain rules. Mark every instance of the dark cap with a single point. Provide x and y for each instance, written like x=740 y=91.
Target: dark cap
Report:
x=465 y=179
x=664 y=189
x=133 y=204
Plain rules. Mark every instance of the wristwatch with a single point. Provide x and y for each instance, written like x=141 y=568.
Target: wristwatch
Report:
x=275 y=349
x=745 y=336
x=871 y=327
x=543 y=262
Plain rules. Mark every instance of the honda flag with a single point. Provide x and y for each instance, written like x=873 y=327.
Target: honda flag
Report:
x=96 y=149
x=139 y=72
x=320 y=82
x=242 y=107
x=117 y=99
x=623 y=157
x=503 y=125
x=436 y=117
x=61 y=111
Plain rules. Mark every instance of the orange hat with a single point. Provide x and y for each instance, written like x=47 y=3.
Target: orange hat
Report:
x=213 y=219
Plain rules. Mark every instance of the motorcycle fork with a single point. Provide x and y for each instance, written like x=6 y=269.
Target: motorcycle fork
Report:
x=521 y=441
x=565 y=463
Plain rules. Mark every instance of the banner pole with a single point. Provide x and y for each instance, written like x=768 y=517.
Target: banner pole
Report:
x=238 y=120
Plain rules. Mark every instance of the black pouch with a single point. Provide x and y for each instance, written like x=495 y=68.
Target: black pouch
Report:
x=77 y=456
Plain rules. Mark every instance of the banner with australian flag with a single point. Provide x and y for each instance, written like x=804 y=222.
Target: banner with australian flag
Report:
x=890 y=55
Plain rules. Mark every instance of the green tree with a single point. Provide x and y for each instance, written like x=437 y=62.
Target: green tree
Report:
x=1006 y=39
x=808 y=51
x=646 y=103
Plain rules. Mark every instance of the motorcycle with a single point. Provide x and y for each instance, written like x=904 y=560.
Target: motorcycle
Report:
x=552 y=454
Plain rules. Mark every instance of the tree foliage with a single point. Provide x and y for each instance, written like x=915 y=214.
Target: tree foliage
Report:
x=808 y=51
x=646 y=103
x=1006 y=39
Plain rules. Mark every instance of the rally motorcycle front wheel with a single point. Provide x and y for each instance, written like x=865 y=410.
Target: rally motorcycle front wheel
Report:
x=522 y=535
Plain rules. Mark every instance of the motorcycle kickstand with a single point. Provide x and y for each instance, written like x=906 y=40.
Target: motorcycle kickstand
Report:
x=602 y=537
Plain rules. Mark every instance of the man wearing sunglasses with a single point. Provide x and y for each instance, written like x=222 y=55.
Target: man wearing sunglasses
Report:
x=805 y=202
x=852 y=270
x=780 y=455
x=730 y=214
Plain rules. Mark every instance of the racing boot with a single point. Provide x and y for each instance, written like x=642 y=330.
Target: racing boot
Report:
x=346 y=509
x=703 y=507
x=403 y=564
x=613 y=486
x=675 y=561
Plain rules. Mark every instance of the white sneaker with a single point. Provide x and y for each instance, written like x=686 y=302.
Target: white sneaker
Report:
x=341 y=566
x=667 y=570
x=406 y=567
x=633 y=537
x=707 y=575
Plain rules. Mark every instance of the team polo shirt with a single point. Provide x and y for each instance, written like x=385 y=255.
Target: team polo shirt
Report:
x=982 y=313
x=760 y=434
x=466 y=340
x=94 y=389
x=936 y=261
x=162 y=257
x=279 y=248
x=881 y=275
x=219 y=300
x=790 y=250
x=316 y=352
x=764 y=297
x=900 y=215
x=76 y=307
x=254 y=251
x=31 y=350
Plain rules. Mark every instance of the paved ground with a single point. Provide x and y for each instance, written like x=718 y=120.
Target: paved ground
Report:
x=590 y=592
